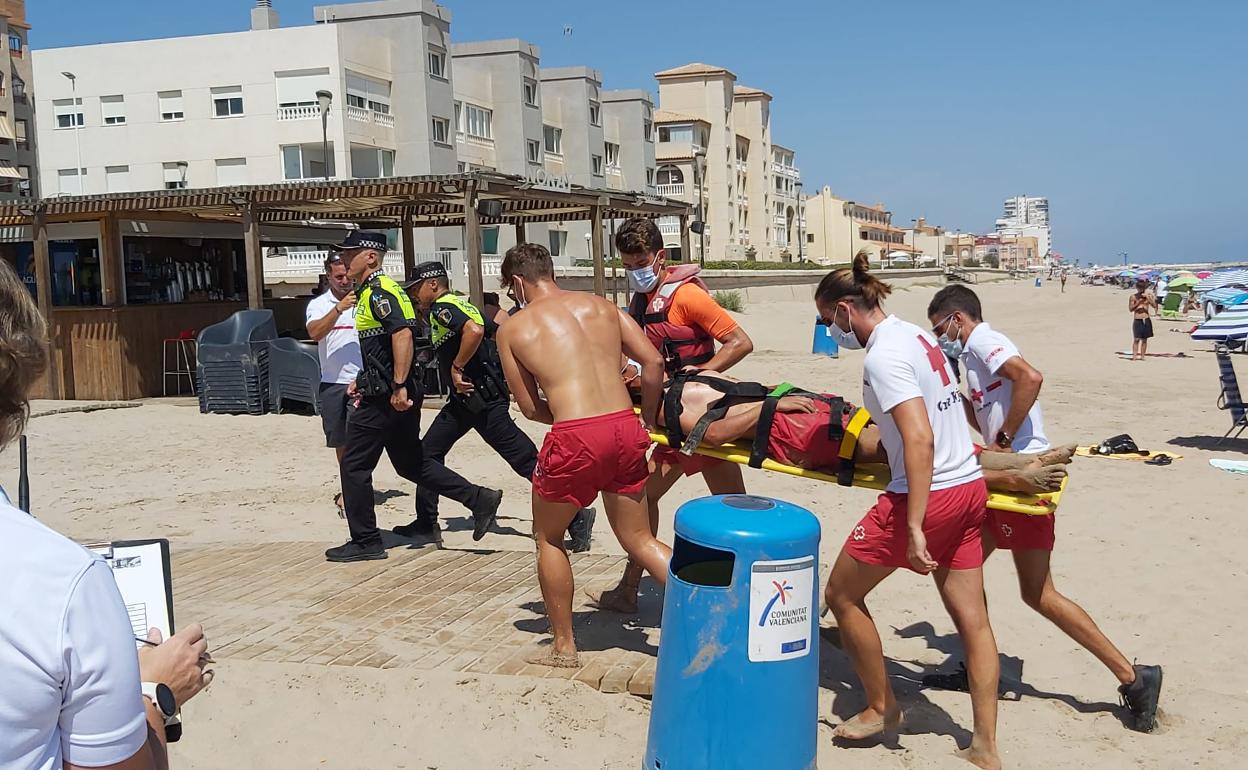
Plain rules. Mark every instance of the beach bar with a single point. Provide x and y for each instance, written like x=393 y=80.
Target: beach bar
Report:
x=115 y=276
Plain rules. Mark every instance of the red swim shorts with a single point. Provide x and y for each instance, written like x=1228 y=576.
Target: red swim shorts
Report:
x=581 y=458
x=802 y=439
x=690 y=465
x=953 y=523
x=1021 y=532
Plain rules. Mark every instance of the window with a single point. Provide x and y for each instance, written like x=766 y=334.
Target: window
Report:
x=671 y=175
x=70 y=181
x=355 y=100
x=613 y=157
x=441 y=131
x=459 y=117
x=23 y=184
x=371 y=162
x=363 y=93
x=596 y=162
x=649 y=177
x=227 y=101
x=477 y=122
x=231 y=172
x=489 y=240
x=15 y=43
x=595 y=114
x=68 y=112
x=647 y=128
x=306 y=161
x=19 y=88
x=113 y=110
x=682 y=134
x=170 y=105
x=553 y=138
x=175 y=175
x=117 y=178
x=530 y=92
x=437 y=62
x=533 y=150
x=558 y=242
x=21 y=132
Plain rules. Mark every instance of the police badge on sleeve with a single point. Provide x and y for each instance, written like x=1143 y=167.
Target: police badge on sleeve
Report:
x=444 y=316
x=383 y=307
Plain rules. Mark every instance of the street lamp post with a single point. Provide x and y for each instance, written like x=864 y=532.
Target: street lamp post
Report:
x=849 y=214
x=698 y=158
x=325 y=99
x=77 y=117
x=801 y=204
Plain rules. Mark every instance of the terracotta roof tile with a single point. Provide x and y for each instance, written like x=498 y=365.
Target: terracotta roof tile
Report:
x=694 y=68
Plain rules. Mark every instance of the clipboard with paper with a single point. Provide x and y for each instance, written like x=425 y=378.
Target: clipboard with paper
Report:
x=142 y=571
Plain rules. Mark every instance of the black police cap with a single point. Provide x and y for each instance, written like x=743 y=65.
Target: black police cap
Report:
x=362 y=239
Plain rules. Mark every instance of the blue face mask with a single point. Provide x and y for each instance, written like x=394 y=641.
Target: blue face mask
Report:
x=951 y=347
x=644 y=279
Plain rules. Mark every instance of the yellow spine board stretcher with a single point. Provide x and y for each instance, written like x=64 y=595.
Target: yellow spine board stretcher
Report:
x=875 y=476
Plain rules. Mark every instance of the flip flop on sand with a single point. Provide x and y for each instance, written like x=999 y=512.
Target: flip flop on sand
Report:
x=555 y=660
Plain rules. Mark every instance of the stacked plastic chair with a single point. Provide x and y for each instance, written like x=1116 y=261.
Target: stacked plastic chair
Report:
x=232 y=371
x=294 y=374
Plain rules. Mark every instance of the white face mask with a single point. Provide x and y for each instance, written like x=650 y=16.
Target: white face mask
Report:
x=518 y=296
x=844 y=339
x=951 y=345
x=644 y=279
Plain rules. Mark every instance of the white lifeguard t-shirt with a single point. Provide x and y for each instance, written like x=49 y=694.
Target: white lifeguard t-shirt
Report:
x=986 y=350
x=339 y=350
x=69 y=671
x=904 y=362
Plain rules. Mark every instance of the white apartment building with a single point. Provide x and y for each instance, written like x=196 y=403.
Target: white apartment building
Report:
x=719 y=133
x=1027 y=217
x=18 y=178
x=242 y=108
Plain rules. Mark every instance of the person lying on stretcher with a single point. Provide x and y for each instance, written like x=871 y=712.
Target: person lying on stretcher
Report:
x=802 y=433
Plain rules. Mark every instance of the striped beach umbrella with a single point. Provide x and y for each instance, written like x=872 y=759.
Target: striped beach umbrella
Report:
x=1223 y=296
x=1223 y=278
x=1230 y=324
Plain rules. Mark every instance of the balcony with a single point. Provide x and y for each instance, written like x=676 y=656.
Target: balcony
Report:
x=671 y=190
x=669 y=225
x=363 y=115
x=299 y=112
x=741 y=165
x=780 y=219
x=310 y=264
x=743 y=235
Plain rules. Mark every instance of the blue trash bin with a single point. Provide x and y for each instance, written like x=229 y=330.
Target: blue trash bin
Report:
x=737 y=683
x=823 y=344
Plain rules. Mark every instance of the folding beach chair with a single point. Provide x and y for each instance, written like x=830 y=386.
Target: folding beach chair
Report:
x=1172 y=306
x=1230 y=398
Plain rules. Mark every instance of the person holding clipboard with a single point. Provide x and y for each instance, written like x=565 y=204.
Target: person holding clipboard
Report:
x=75 y=691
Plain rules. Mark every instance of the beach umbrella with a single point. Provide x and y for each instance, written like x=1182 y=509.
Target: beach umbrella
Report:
x=1230 y=324
x=1223 y=278
x=1126 y=274
x=1223 y=296
x=1186 y=274
x=1182 y=282
x=1204 y=273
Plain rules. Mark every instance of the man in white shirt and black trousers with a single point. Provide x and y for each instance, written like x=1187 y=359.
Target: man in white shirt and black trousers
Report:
x=331 y=322
x=1003 y=406
x=463 y=340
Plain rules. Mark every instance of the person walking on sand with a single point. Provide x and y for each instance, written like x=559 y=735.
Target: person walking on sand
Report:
x=1004 y=407
x=569 y=345
x=1063 y=281
x=929 y=518
x=1142 y=323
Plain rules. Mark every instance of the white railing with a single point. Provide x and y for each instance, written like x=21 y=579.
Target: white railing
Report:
x=780 y=219
x=669 y=190
x=383 y=119
x=743 y=235
x=358 y=113
x=741 y=165
x=310 y=264
x=669 y=225
x=490 y=266
x=302 y=112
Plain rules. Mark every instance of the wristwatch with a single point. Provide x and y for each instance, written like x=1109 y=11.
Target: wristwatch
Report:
x=162 y=698
x=1004 y=439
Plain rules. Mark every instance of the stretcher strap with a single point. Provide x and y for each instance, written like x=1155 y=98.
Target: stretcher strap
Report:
x=849 y=443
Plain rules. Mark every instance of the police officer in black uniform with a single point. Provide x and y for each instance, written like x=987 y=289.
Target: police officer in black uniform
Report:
x=386 y=411
x=463 y=340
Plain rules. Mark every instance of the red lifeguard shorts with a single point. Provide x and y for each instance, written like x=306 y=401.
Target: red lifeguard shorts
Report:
x=1021 y=532
x=581 y=458
x=690 y=465
x=953 y=523
x=802 y=439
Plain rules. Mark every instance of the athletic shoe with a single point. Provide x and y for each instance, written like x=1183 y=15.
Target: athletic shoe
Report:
x=353 y=551
x=581 y=530
x=486 y=512
x=423 y=532
x=1141 y=696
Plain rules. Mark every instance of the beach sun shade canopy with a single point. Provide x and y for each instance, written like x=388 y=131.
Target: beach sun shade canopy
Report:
x=1204 y=274
x=1183 y=282
x=1230 y=324
x=1226 y=296
x=1223 y=278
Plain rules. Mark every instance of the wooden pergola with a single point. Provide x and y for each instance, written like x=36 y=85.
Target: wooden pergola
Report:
x=469 y=201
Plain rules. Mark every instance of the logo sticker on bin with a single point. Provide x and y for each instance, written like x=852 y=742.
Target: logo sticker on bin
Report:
x=781 y=599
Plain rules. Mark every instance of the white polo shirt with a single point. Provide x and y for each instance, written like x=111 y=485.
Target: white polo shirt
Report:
x=339 y=350
x=69 y=671
x=904 y=362
x=986 y=351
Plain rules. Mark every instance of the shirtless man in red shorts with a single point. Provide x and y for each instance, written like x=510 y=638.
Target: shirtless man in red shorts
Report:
x=569 y=344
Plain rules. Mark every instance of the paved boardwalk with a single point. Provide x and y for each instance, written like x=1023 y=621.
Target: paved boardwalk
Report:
x=468 y=611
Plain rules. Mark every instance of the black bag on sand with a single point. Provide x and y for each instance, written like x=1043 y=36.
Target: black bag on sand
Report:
x=1122 y=444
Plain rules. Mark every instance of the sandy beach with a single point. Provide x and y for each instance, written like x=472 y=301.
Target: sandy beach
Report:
x=1153 y=553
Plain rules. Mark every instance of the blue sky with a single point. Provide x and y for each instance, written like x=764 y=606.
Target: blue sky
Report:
x=1130 y=115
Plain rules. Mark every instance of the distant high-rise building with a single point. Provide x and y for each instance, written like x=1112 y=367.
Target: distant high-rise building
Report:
x=17 y=134
x=1026 y=217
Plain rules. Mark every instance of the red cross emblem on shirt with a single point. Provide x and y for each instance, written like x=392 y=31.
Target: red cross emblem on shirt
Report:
x=977 y=395
x=936 y=357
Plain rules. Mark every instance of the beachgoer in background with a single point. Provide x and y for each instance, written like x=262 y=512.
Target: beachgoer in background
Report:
x=492 y=308
x=1063 y=281
x=929 y=518
x=463 y=341
x=683 y=322
x=1141 y=304
x=569 y=344
x=330 y=319
x=1003 y=406
x=75 y=692
x=386 y=408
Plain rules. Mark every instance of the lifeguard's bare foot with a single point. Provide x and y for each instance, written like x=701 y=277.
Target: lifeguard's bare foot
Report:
x=1058 y=455
x=1047 y=478
x=619 y=599
x=555 y=659
x=868 y=724
x=988 y=760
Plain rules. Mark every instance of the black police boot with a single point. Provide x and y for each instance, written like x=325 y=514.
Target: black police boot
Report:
x=486 y=512
x=353 y=551
x=581 y=530
x=422 y=532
